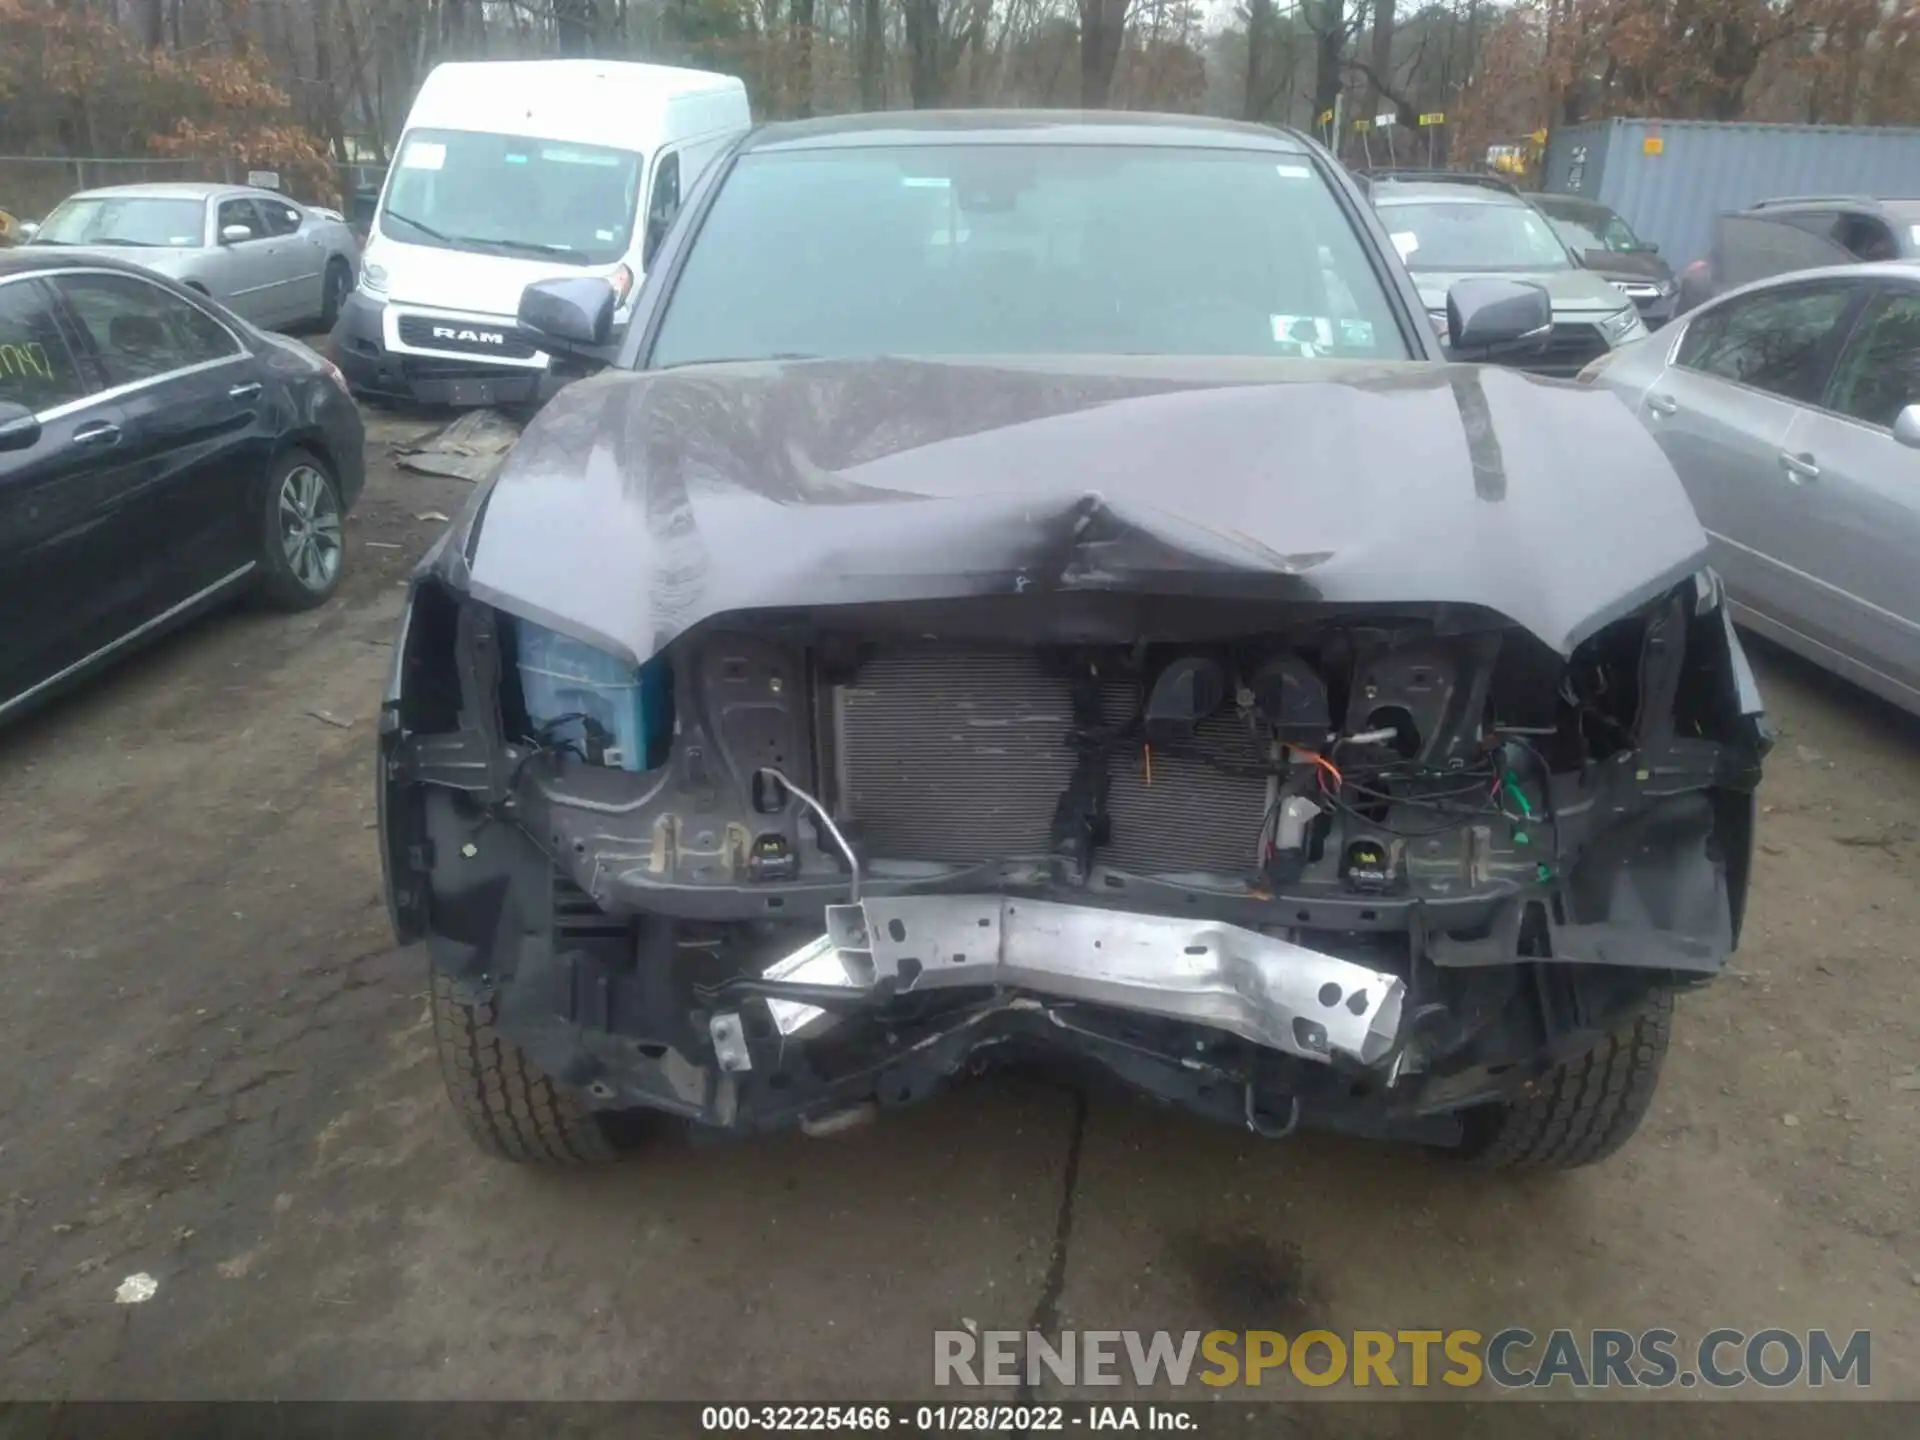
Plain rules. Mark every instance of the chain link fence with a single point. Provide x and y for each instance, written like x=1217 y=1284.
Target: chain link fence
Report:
x=31 y=185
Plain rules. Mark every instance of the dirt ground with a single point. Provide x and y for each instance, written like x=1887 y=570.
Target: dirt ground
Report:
x=215 y=1068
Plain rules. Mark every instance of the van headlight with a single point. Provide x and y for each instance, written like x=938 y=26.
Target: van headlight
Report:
x=373 y=279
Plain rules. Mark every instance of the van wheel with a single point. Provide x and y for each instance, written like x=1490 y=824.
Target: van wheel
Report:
x=334 y=291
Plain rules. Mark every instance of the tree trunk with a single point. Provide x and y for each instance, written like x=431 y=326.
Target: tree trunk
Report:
x=1103 y=27
x=1382 y=55
x=1253 y=104
x=873 y=37
x=573 y=26
x=153 y=23
x=925 y=80
x=800 y=68
x=1329 y=54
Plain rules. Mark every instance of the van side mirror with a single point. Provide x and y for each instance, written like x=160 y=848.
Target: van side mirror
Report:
x=1906 y=427
x=574 y=311
x=19 y=427
x=1497 y=317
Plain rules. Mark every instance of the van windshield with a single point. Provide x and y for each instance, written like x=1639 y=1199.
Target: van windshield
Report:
x=513 y=195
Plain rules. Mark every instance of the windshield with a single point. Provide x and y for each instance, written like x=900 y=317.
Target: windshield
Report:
x=1472 y=235
x=1593 y=233
x=460 y=190
x=1018 y=249
x=125 y=220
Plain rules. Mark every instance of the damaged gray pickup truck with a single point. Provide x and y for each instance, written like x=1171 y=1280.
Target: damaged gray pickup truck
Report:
x=1036 y=587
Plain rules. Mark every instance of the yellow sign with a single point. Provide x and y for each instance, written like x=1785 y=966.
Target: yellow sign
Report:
x=1363 y=125
x=1326 y=117
x=1653 y=145
x=1433 y=117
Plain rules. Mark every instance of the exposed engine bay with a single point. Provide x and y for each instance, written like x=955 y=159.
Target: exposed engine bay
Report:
x=1301 y=743
x=1366 y=869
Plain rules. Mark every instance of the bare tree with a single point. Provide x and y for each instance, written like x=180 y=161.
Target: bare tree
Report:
x=1103 y=28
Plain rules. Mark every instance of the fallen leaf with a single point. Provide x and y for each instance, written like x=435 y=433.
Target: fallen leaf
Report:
x=1790 y=1121
x=431 y=515
x=136 y=1289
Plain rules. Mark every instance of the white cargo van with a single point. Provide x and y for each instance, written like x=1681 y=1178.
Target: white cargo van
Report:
x=510 y=172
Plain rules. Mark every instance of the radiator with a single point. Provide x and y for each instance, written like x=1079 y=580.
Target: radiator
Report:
x=961 y=756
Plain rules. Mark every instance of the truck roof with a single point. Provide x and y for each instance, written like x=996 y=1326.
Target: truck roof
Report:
x=584 y=101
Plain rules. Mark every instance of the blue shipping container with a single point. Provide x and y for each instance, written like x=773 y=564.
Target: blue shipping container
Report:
x=1670 y=179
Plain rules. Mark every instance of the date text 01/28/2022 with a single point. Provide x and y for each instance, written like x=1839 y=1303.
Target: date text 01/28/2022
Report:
x=936 y=1419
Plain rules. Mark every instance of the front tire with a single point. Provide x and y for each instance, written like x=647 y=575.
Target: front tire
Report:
x=334 y=289
x=507 y=1106
x=1582 y=1111
x=302 y=547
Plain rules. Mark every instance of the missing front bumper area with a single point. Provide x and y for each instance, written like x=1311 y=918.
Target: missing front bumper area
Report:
x=1261 y=988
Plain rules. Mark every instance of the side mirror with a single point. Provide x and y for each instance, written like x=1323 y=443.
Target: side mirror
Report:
x=1505 y=316
x=29 y=228
x=1647 y=247
x=19 y=427
x=234 y=234
x=574 y=311
x=1906 y=427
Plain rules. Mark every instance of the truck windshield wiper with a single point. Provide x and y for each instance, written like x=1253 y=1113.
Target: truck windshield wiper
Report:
x=744 y=359
x=538 y=247
x=420 y=225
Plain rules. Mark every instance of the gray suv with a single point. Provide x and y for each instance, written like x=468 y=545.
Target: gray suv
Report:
x=1447 y=226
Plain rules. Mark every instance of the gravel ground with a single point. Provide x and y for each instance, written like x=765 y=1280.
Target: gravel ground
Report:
x=216 y=1069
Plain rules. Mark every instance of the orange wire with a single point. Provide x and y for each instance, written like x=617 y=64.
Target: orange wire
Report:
x=1326 y=766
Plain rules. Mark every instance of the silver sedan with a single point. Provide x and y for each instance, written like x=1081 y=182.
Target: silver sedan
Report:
x=263 y=256
x=1791 y=409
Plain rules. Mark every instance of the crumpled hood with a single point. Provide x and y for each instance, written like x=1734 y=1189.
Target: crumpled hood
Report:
x=639 y=505
x=1573 y=292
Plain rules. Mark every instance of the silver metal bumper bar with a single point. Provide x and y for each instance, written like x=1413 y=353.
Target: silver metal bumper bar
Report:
x=1266 y=990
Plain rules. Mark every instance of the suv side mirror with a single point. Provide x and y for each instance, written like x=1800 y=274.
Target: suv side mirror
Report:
x=1906 y=427
x=19 y=427
x=577 y=312
x=1484 y=314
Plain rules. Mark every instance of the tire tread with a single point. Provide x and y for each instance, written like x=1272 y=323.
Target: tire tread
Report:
x=1585 y=1109
x=506 y=1104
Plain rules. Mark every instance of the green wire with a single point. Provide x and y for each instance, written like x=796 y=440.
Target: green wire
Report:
x=1519 y=795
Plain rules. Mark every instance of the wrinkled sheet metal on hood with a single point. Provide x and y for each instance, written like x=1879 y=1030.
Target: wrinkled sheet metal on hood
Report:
x=639 y=505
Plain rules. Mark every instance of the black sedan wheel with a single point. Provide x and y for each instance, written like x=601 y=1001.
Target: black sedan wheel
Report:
x=303 y=549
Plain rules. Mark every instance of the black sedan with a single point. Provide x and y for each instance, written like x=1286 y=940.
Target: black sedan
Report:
x=158 y=455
